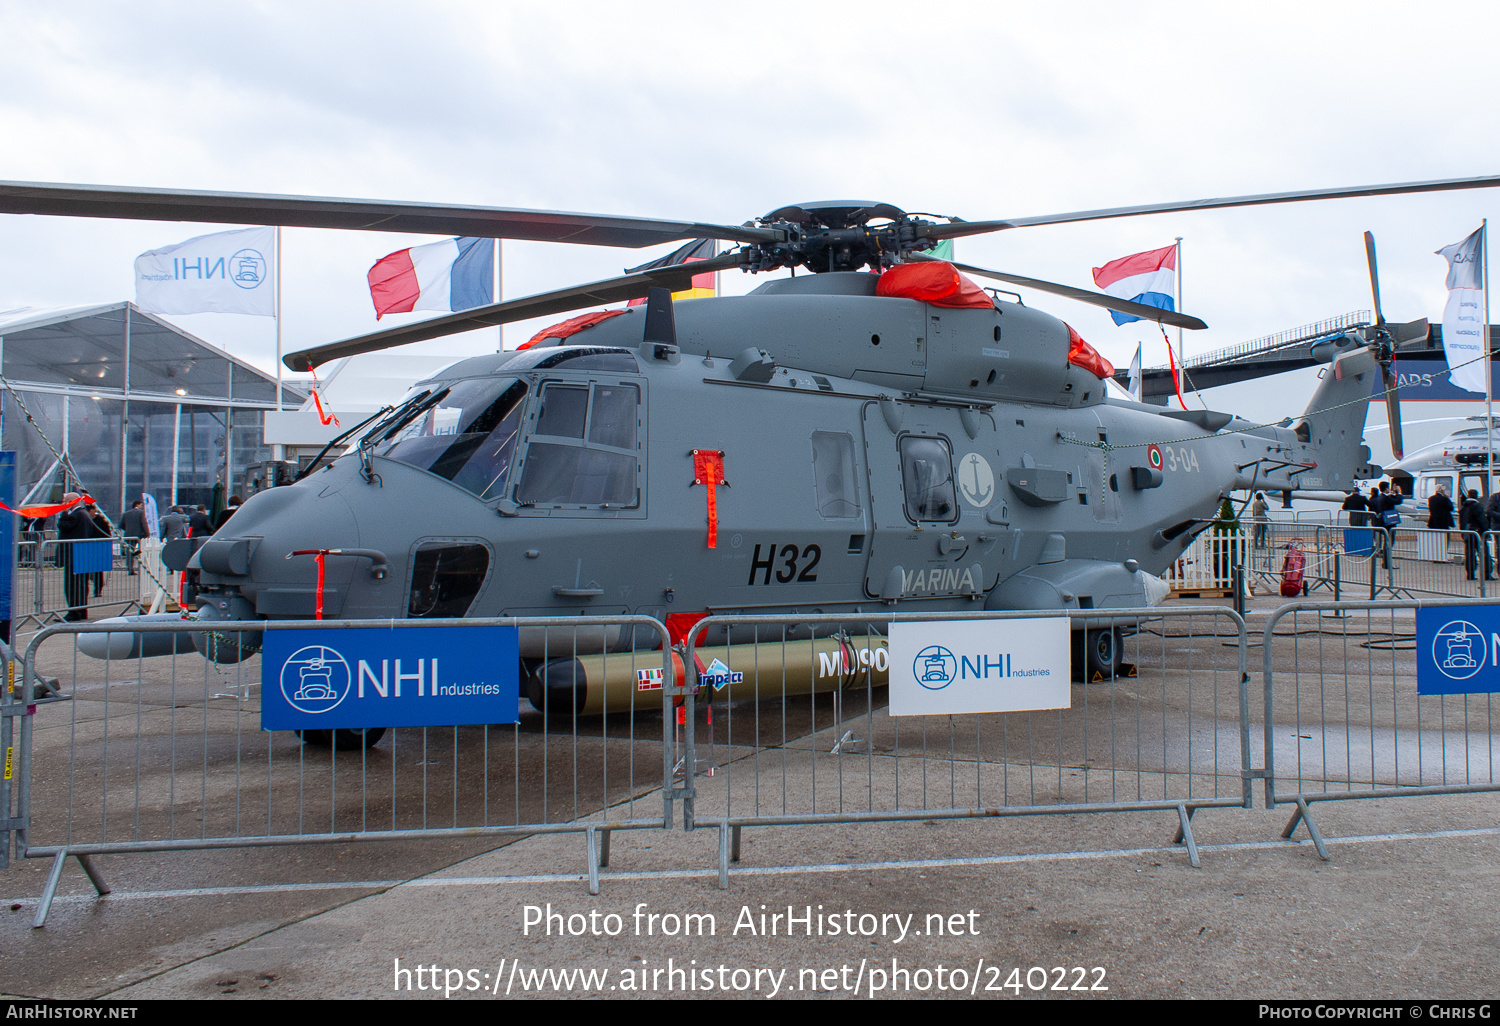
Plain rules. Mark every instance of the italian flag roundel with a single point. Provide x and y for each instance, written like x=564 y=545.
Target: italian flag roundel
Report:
x=1153 y=456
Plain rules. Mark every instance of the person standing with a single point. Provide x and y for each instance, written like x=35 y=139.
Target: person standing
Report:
x=174 y=524
x=229 y=510
x=1382 y=502
x=201 y=526
x=1357 y=506
x=133 y=529
x=1260 y=514
x=79 y=524
x=1472 y=520
x=1439 y=518
x=1440 y=510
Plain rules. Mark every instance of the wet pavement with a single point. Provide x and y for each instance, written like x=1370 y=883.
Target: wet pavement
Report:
x=1403 y=909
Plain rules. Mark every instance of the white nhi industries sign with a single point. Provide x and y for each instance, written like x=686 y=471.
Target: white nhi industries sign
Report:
x=942 y=667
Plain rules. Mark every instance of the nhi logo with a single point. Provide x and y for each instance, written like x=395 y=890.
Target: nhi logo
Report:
x=315 y=679
x=1458 y=649
x=934 y=668
x=247 y=268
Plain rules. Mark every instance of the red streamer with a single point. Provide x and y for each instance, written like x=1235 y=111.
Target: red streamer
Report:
x=1172 y=362
x=42 y=512
x=326 y=418
x=708 y=469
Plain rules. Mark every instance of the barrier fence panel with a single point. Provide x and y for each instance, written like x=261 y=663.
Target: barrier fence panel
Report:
x=126 y=754
x=1368 y=562
x=801 y=732
x=1434 y=562
x=85 y=577
x=1343 y=718
x=1319 y=544
x=11 y=710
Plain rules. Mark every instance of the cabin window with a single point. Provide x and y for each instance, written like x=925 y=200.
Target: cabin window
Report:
x=834 y=480
x=1470 y=482
x=1427 y=485
x=583 y=449
x=446 y=578
x=927 y=475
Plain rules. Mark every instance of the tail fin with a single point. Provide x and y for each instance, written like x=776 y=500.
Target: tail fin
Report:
x=1334 y=421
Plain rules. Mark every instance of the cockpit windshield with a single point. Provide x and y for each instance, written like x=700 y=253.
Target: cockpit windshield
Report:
x=468 y=436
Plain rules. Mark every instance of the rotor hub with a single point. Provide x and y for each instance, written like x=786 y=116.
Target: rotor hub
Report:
x=836 y=235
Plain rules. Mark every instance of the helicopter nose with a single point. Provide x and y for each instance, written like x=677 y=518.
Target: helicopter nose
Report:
x=283 y=520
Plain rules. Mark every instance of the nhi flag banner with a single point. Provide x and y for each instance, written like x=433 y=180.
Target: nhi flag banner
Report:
x=1464 y=330
x=230 y=272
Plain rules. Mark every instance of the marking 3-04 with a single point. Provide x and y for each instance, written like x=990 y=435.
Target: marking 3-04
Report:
x=1184 y=458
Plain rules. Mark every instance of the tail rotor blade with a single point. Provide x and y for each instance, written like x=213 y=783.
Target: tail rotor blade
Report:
x=1374 y=276
x=1393 y=408
x=1410 y=331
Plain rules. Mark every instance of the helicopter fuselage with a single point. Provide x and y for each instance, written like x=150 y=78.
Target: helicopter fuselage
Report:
x=874 y=452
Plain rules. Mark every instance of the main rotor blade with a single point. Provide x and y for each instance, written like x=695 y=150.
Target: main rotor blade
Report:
x=578 y=297
x=1124 y=306
x=369 y=215
x=1374 y=277
x=959 y=229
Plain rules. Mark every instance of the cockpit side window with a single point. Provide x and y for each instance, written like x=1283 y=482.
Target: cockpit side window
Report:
x=584 y=447
x=468 y=437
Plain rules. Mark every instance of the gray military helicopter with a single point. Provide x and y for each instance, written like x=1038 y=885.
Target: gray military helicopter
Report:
x=880 y=433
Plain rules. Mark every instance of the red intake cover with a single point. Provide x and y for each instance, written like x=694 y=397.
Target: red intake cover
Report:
x=936 y=282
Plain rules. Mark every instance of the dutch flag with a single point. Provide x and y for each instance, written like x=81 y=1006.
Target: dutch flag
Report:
x=455 y=274
x=1147 y=278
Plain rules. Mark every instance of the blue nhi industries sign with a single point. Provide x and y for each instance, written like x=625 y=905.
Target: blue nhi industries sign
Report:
x=1458 y=650
x=944 y=667
x=393 y=677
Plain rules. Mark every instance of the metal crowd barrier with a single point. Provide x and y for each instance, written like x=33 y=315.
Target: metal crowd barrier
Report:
x=1369 y=561
x=167 y=754
x=1321 y=565
x=11 y=710
x=86 y=577
x=1171 y=732
x=1343 y=719
x=1432 y=562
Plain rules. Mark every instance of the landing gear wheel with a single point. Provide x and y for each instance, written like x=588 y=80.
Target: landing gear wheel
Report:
x=1103 y=652
x=343 y=739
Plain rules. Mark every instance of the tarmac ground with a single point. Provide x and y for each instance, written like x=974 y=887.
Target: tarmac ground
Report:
x=1054 y=906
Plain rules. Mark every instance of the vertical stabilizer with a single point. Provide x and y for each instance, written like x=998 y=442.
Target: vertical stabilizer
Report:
x=1335 y=418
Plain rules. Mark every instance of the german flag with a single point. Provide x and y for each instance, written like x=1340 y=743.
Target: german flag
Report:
x=703 y=284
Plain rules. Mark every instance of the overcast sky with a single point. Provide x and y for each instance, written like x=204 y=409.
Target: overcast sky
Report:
x=722 y=112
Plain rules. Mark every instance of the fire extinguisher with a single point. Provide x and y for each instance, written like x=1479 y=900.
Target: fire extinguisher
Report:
x=1291 y=572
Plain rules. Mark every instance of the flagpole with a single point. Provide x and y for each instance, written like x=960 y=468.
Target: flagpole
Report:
x=278 y=318
x=1181 y=357
x=1489 y=423
x=277 y=452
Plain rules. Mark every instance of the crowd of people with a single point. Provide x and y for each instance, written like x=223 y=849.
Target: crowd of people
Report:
x=1475 y=515
x=86 y=522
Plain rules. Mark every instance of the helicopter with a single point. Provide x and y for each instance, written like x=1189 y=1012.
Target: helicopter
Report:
x=878 y=434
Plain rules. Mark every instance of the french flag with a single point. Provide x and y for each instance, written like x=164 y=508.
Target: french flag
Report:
x=455 y=274
x=1147 y=278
